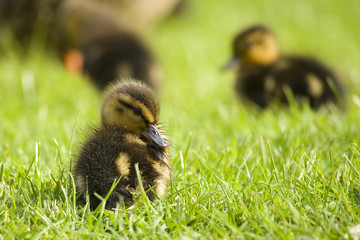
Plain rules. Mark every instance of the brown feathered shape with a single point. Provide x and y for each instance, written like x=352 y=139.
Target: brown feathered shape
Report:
x=265 y=76
x=128 y=136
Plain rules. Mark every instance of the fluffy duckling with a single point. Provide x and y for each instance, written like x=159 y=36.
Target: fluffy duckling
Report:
x=265 y=75
x=128 y=136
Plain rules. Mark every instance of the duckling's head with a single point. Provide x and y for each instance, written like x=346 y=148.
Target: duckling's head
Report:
x=254 y=46
x=132 y=106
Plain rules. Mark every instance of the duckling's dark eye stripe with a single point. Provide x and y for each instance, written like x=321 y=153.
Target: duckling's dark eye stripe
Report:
x=126 y=104
x=136 y=111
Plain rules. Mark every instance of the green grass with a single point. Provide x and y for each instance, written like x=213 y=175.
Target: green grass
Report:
x=237 y=172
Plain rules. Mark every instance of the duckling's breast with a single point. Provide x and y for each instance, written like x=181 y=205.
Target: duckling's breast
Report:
x=250 y=84
x=111 y=154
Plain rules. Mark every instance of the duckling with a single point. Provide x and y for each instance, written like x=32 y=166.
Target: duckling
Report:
x=86 y=37
x=264 y=75
x=128 y=136
x=108 y=49
x=121 y=55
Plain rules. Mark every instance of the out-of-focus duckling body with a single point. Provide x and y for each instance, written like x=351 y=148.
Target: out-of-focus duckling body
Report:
x=106 y=48
x=128 y=136
x=264 y=75
x=121 y=55
x=111 y=49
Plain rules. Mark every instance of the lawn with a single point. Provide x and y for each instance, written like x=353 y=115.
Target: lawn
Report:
x=238 y=173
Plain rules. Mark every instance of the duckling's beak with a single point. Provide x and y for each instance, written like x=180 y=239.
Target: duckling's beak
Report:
x=233 y=63
x=154 y=135
x=74 y=61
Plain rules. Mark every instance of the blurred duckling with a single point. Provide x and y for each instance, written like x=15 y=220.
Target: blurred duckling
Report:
x=128 y=136
x=108 y=50
x=119 y=56
x=86 y=37
x=264 y=75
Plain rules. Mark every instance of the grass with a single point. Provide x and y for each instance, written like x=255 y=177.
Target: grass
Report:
x=237 y=173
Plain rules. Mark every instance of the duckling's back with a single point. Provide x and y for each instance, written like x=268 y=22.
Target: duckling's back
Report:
x=306 y=78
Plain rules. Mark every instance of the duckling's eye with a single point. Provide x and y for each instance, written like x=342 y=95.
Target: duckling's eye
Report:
x=137 y=111
x=250 y=44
